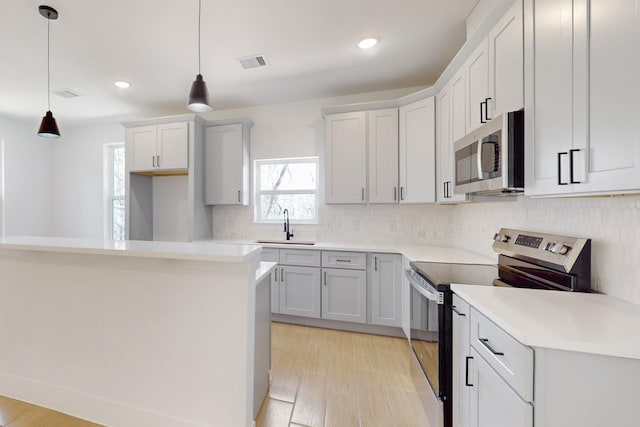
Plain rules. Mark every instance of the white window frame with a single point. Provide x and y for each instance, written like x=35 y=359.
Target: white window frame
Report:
x=257 y=193
x=109 y=197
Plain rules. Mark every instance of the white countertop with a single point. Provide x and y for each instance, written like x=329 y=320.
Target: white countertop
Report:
x=264 y=268
x=573 y=321
x=199 y=251
x=413 y=252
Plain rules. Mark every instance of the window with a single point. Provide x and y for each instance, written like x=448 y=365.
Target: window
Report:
x=287 y=184
x=115 y=214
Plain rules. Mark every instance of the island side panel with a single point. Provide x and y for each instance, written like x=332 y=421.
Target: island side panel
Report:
x=129 y=341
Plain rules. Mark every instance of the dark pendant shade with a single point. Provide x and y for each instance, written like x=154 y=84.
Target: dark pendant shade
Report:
x=199 y=96
x=49 y=127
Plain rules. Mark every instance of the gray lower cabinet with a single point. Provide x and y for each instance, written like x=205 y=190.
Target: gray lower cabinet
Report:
x=386 y=289
x=344 y=295
x=493 y=403
x=300 y=291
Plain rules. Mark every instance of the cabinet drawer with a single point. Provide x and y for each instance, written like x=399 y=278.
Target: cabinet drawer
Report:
x=300 y=257
x=270 y=255
x=350 y=260
x=507 y=356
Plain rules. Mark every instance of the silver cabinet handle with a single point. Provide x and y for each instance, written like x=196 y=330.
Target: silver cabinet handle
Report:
x=401 y=193
x=158 y=161
x=153 y=159
x=375 y=263
x=363 y=194
x=282 y=276
x=485 y=342
x=238 y=196
x=395 y=193
x=325 y=278
x=276 y=274
x=343 y=260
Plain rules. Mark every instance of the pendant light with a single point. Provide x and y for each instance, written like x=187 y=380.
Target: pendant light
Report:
x=48 y=127
x=199 y=95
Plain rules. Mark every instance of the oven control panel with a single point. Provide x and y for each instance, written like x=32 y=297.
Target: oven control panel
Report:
x=555 y=249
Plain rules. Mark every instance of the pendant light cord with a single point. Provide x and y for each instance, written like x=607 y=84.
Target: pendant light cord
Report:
x=199 y=19
x=48 y=64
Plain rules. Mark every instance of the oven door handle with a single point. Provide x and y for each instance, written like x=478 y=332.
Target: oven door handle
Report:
x=431 y=296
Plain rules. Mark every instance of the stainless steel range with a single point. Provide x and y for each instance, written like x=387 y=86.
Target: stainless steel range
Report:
x=526 y=259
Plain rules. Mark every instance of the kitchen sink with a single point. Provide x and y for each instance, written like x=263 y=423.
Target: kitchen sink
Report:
x=287 y=242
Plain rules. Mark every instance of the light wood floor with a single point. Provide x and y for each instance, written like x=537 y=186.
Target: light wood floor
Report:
x=14 y=413
x=330 y=378
x=320 y=377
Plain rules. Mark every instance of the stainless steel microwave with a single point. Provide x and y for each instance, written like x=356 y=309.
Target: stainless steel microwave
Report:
x=490 y=160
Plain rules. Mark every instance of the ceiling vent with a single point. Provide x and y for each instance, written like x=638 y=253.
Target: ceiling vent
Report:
x=254 y=61
x=65 y=93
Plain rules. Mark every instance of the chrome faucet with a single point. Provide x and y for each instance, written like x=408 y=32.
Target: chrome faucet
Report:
x=287 y=226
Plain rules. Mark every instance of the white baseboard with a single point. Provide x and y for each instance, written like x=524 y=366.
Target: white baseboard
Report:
x=91 y=408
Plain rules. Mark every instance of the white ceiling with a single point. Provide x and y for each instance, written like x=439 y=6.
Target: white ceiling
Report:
x=310 y=47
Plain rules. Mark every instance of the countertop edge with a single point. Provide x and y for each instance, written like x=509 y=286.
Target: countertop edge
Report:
x=166 y=253
x=264 y=269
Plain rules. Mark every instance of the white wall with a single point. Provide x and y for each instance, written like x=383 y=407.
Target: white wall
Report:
x=78 y=180
x=27 y=174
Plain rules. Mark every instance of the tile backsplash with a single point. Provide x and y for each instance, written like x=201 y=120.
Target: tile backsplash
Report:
x=613 y=224
x=414 y=224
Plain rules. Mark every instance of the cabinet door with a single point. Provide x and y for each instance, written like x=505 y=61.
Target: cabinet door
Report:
x=458 y=106
x=492 y=402
x=224 y=157
x=300 y=291
x=172 y=146
x=477 y=74
x=141 y=144
x=344 y=295
x=444 y=150
x=383 y=156
x=417 y=152
x=548 y=94
x=346 y=157
x=613 y=154
x=506 y=62
x=460 y=352
x=386 y=289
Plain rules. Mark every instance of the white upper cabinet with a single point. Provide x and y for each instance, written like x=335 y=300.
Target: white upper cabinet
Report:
x=582 y=97
x=458 y=106
x=613 y=152
x=158 y=147
x=477 y=82
x=444 y=148
x=417 y=152
x=346 y=157
x=383 y=155
x=227 y=165
x=506 y=56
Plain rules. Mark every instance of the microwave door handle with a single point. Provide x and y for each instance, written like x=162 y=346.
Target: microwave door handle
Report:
x=479 y=158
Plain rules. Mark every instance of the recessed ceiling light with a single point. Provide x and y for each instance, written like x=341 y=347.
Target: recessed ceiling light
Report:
x=367 y=43
x=122 y=85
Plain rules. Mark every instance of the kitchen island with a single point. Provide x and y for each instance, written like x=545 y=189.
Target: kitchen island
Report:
x=130 y=333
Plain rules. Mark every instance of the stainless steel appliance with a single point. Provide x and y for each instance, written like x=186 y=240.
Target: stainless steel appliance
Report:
x=491 y=159
x=526 y=259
